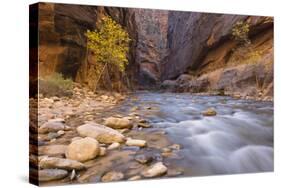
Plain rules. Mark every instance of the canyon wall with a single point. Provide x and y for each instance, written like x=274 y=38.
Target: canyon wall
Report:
x=152 y=27
x=204 y=56
x=62 y=41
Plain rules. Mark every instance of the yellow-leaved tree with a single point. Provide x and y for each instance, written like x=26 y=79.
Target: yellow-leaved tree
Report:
x=110 y=45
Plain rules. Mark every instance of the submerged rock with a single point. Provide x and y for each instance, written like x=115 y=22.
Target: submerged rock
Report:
x=54 y=162
x=118 y=123
x=143 y=158
x=52 y=174
x=209 y=112
x=83 y=150
x=155 y=170
x=101 y=133
x=112 y=176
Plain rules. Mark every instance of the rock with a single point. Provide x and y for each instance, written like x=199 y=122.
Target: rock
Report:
x=135 y=142
x=143 y=121
x=143 y=125
x=143 y=158
x=166 y=150
x=52 y=135
x=102 y=151
x=51 y=127
x=113 y=146
x=52 y=150
x=209 y=112
x=112 y=176
x=175 y=147
x=61 y=120
x=101 y=133
x=134 y=178
x=83 y=150
x=155 y=170
x=54 y=162
x=61 y=132
x=51 y=174
x=169 y=85
x=76 y=138
x=174 y=172
x=118 y=123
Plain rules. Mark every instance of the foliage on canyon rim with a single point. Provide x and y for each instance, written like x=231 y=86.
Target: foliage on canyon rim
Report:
x=110 y=43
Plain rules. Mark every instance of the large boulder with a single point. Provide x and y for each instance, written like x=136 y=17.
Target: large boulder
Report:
x=101 y=133
x=83 y=150
x=54 y=162
x=118 y=123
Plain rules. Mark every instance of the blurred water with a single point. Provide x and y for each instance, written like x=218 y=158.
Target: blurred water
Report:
x=239 y=139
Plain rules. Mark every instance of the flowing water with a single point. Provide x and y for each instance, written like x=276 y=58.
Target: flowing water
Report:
x=239 y=139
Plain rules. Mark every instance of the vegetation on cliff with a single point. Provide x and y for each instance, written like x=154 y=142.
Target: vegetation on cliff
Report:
x=110 y=45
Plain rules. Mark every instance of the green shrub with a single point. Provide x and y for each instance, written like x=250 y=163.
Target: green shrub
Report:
x=55 y=85
x=240 y=32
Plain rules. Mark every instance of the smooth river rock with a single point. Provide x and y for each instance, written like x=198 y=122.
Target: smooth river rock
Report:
x=113 y=146
x=135 y=142
x=52 y=174
x=52 y=150
x=155 y=170
x=112 y=176
x=83 y=150
x=101 y=133
x=51 y=127
x=54 y=162
x=118 y=123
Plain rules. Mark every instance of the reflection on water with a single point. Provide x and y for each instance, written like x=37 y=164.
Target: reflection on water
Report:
x=238 y=140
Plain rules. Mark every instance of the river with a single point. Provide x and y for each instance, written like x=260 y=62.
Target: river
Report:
x=239 y=139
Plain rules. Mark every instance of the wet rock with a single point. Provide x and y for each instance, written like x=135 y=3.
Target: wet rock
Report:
x=143 y=125
x=52 y=150
x=52 y=174
x=135 y=142
x=143 y=158
x=134 y=178
x=113 y=146
x=175 y=147
x=83 y=150
x=155 y=170
x=51 y=127
x=101 y=133
x=54 y=162
x=112 y=176
x=174 y=172
x=209 y=112
x=118 y=123
x=166 y=150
